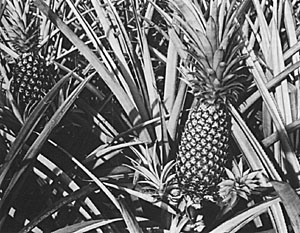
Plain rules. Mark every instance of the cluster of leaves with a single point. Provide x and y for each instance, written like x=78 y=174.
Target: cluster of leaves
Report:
x=106 y=155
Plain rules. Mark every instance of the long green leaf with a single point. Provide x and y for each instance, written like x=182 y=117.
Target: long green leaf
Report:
x=270 y=84
x=87 y=226
x=107 y=76
x=65 y=179
x=291 y=202
x=107 y=148
x=188 y=10
x=177 y=109
x=265 y=37
x=271 y=139
x=150 y=79
x=171 y=76
x=129 y=217
x=237 y=222
x=145 y=197
x=29 y=126
x=292 y=162
x=121 y=45
x=251 y=148
x=82 y=192
x=39 y=142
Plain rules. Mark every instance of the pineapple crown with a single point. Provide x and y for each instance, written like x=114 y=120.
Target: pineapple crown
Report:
x=214 y=49
x=240 y=183
x=22 y=26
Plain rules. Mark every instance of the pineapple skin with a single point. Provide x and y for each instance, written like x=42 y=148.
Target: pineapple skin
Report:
x=203 y=151
x=32 y=79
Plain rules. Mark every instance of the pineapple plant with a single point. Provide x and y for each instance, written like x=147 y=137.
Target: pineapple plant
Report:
x=31 y=76
x=216 y=63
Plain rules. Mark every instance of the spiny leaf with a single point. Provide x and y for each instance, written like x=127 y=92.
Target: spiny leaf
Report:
x=207 y=47
x=212 y=33
x=237 y=222
x=218 y=57
x=129 y=217
x=230 y=174
x=107 y=76
x=86 y=226
x=291 y=202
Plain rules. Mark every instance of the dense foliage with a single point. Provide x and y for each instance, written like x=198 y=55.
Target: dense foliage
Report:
x=105 y=106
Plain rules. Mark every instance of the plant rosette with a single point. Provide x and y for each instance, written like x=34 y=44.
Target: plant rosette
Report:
x=239 y=184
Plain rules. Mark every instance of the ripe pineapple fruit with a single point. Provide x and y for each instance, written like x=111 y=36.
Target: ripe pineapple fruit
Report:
x=31 y=78
x=216 y=64
x=203 y=148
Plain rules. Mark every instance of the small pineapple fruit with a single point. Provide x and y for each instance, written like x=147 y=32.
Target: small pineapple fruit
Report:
x=215 y=62
x=32 y=78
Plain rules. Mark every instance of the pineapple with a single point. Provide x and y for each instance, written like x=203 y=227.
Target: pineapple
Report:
x=31 y=77
x=216 y=65
x=203 y=148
